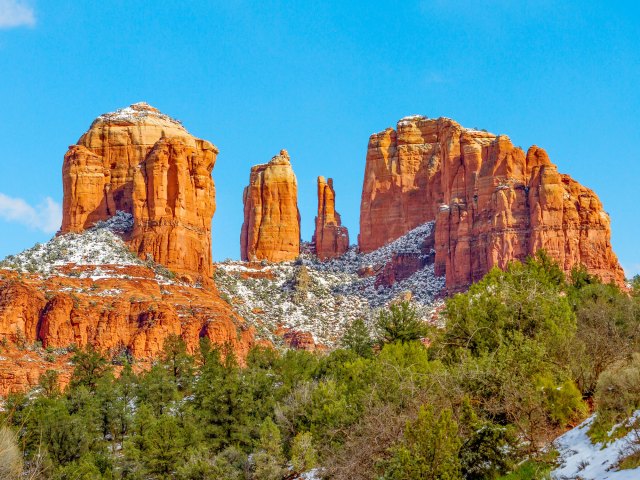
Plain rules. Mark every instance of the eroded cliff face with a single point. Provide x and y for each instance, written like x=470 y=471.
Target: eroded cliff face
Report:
x=330 y=238
x=140 y=161
x=127 y=310
x=271 y=227
x=492 y=203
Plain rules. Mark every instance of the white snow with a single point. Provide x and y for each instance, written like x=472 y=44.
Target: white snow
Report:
x=136 y=113
x=100 y=245
x=310 y=475
x=581 y=459
x=336 y=294
x=411 y=119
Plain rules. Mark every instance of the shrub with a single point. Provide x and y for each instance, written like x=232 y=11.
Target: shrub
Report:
x=429 y=449
x=303 y=455
x=617 y=396
x=400 y=323
x=357 y=338
x=10 y=456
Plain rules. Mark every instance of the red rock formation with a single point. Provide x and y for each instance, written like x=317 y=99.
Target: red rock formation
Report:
x=299 y=340
x=330 y=239
x=271 y=227
x=402 y=265
x=142 y=162
x=126 y=309
x=491 y=202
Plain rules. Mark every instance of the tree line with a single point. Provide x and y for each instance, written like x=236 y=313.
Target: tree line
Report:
x=520 y=356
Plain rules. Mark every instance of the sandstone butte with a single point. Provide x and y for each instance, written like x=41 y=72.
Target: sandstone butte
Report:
x=140 y=161
x=491 y=201
x=125 y=311
x=271 y=227
x=330 y=239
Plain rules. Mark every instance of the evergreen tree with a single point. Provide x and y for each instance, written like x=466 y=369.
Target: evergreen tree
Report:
x=178 y=362
x=269 y=459
x=429 y=449
x=303 y=455
x=48 y=381
x=358 y=339
x=222 y=402
x=157 y=389
x=89 y=367
x=400 y=323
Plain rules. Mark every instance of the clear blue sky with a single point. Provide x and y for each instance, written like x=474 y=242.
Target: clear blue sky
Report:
x=317 y=78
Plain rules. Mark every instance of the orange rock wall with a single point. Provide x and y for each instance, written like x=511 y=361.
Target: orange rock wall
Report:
x=492 y=203
x=140 y=161
x=271 y=227
x=330 y=239
x=134 y=313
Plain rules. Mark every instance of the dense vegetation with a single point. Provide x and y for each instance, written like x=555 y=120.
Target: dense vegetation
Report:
x=520 y=357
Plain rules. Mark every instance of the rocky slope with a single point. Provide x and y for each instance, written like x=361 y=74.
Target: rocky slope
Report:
x=315 y=300
x=89 y=288
x=330 y=238
x=271 y=227
x=142 y=162
x=491 y=202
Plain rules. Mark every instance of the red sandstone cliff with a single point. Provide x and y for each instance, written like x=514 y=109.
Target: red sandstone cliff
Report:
x=126 y=310
x=140 y=161
x=492 y=203
x=330 y=239
x=271 y=227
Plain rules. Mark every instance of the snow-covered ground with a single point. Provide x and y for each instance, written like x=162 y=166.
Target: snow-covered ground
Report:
x=100 y=245
x=332 y=294
x=581 y=459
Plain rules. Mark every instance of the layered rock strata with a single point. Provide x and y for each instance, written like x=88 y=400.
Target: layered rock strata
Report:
x=492 y=203
x=140 y=161
x=126 y=311
x=330 y=239
x=271 y=227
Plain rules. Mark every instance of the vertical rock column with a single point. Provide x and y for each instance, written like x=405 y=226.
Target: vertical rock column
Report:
x=330 y=239
x=271 y=227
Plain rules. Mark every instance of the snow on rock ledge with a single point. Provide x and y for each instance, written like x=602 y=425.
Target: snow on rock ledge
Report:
x=581 y=459
x=100 y=245
x=137 y=113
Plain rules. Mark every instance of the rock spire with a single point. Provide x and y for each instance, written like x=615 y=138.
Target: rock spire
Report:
x=271 y=227
x=330 y=239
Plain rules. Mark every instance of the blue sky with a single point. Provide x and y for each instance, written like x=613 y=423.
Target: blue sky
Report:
x=317 y=78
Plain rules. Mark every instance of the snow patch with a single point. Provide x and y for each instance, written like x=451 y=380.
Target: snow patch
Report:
x=580 y=458
x=409 y=119
x=137 y=113
x=99 y=245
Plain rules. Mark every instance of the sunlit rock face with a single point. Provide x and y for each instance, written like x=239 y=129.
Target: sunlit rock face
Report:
x=140 y=161
x=271 y=227
x=491 y=201
x=330 y=238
